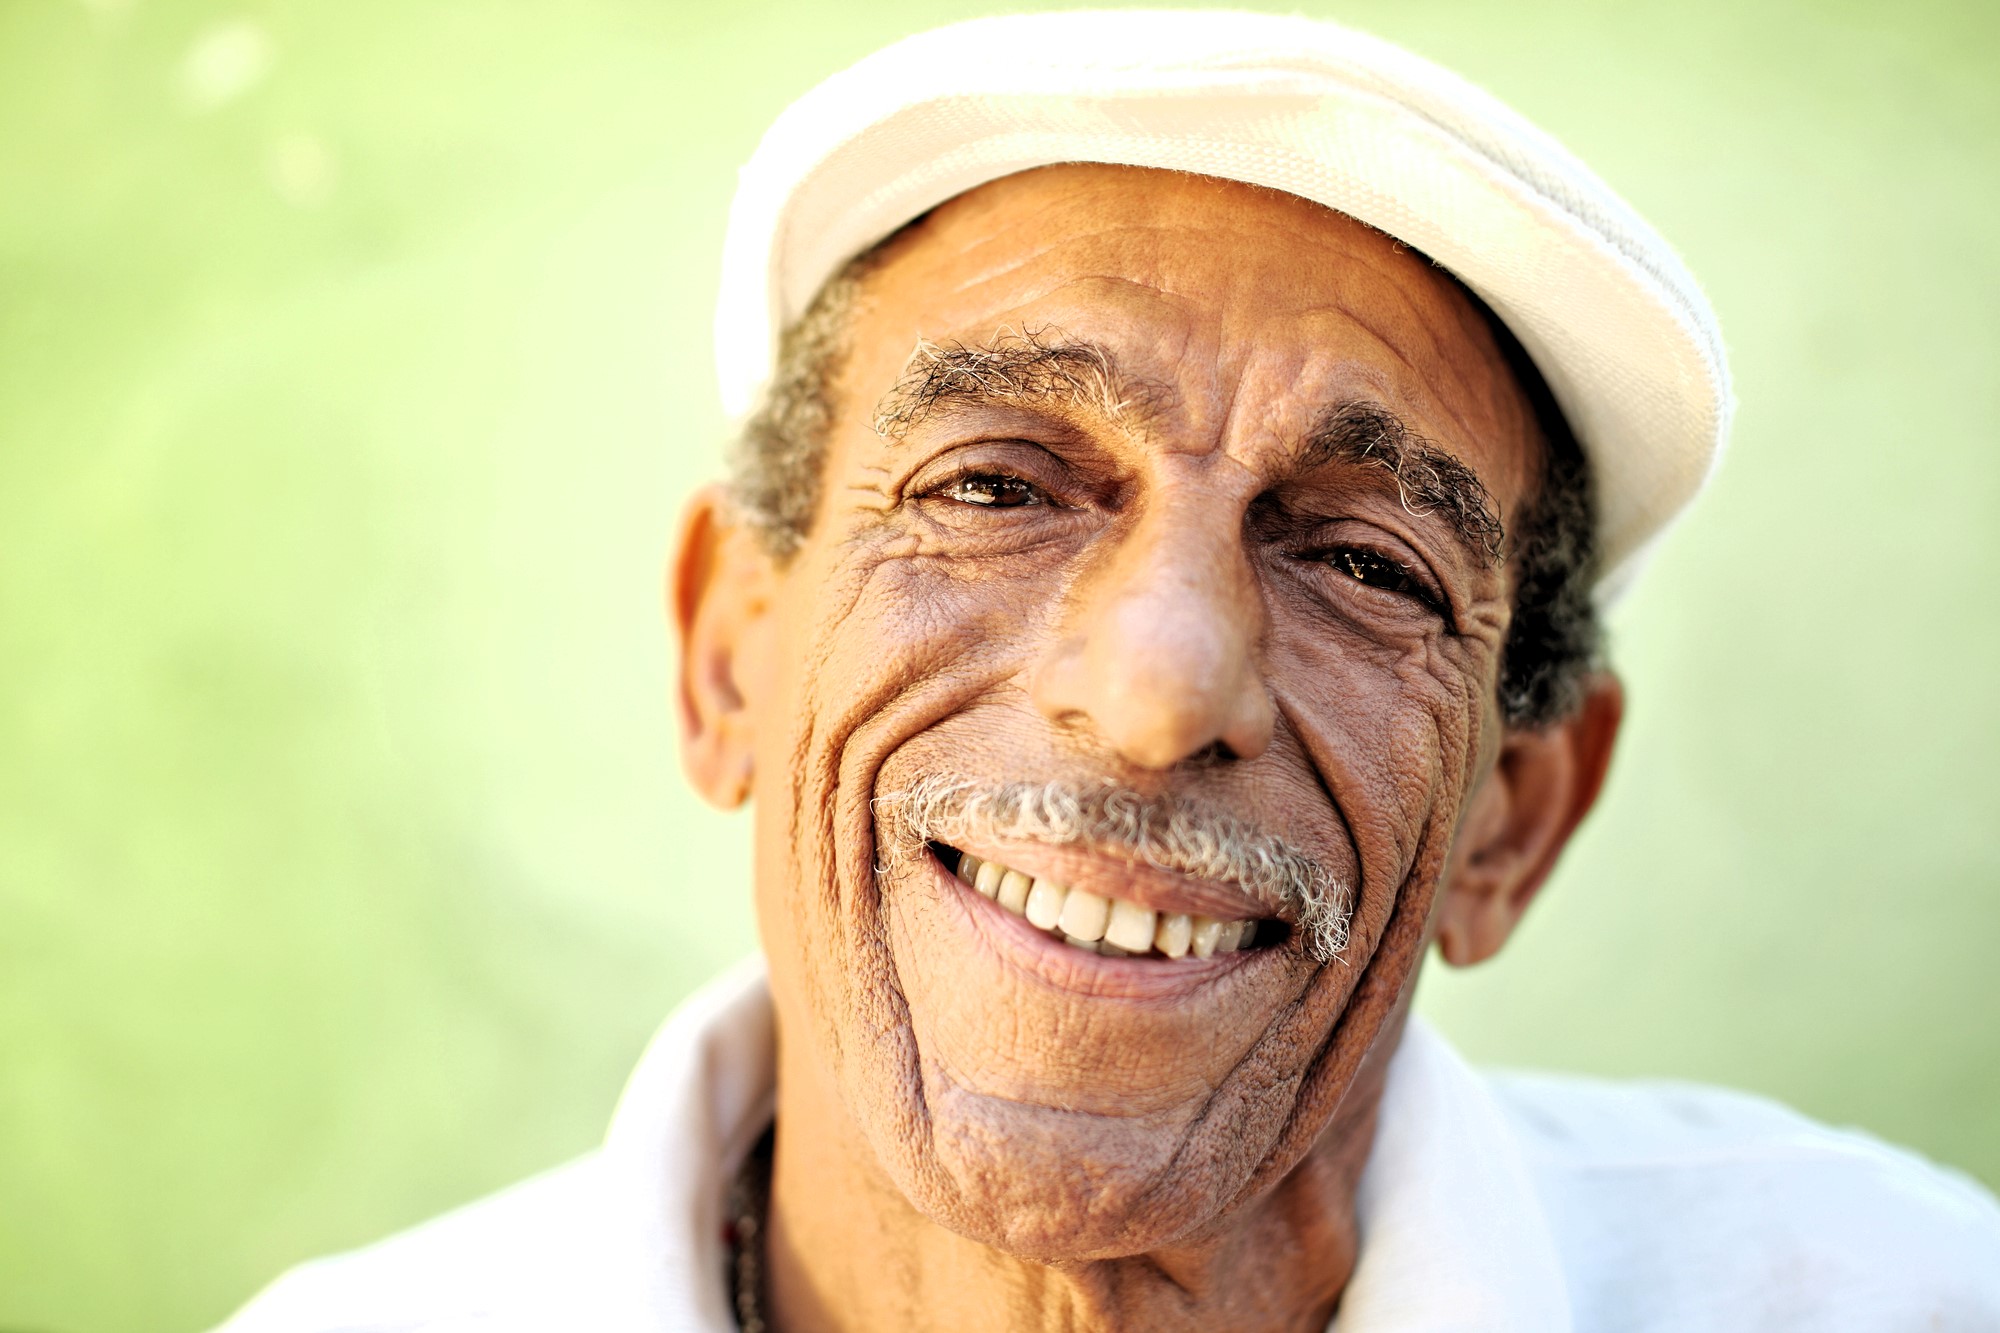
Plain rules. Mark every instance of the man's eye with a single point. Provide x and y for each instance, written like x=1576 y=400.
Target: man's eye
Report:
x=1378 y=571
x=993 y=491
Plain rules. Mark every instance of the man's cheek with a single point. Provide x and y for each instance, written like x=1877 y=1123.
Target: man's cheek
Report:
x=1447 y=687
x=907 y=616
x=884 y=657
x=1385 y=738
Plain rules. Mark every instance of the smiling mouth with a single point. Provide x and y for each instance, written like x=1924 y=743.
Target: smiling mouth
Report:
x=1100 y=925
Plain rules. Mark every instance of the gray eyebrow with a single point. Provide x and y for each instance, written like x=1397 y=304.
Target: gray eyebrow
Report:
x=1430 y=480
x=1031 y=366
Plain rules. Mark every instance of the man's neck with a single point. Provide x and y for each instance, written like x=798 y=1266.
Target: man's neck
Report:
x=846 y=1251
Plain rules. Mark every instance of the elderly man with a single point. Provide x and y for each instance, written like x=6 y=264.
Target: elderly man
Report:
x=1185 y=455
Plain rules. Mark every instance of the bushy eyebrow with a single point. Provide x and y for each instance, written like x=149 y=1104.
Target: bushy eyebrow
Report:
x=1033 y=366
x=1429 y=480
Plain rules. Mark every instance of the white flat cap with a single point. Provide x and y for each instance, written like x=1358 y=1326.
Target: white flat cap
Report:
x=1613 y=319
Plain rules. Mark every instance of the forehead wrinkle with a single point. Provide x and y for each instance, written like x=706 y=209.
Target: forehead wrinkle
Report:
x=1381 y=289
x=1014 y=259
x=1018 y=255
x=1442 y=365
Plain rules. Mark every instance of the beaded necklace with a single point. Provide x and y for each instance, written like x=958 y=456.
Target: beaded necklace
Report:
x=743 y=1233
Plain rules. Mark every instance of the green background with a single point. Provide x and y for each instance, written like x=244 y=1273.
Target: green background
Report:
x=354 y=361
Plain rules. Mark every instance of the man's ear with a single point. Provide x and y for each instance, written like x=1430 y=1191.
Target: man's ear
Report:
x=719 y=590
x=1542 y=785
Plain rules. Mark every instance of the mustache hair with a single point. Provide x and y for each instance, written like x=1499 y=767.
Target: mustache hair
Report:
x=1167 y=832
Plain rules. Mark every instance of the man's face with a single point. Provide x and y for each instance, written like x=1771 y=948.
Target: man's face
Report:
x=1156 y=560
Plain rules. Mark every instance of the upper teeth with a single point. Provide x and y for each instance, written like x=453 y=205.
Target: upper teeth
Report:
x=1103 y=925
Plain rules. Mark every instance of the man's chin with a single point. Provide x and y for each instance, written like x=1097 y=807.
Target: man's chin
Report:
x=1058 y=1186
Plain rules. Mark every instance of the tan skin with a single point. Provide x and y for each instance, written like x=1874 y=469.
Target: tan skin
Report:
x=978 y=1130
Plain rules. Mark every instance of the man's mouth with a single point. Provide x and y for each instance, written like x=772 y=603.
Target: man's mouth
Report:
x=1097 y=924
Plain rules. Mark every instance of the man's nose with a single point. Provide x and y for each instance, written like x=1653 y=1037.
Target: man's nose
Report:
x=1160 y=655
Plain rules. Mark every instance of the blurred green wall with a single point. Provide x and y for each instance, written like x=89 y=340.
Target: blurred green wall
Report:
x=353 y=362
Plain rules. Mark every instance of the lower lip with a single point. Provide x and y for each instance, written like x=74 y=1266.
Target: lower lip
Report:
x=1069 y=968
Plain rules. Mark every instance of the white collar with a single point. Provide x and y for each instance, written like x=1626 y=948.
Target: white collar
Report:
x=1452 y=1237
x=1452 y=1234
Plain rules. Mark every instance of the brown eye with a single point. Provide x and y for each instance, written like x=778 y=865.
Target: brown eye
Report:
x=1378 y=571
x=992 y=491
x=1365 y=567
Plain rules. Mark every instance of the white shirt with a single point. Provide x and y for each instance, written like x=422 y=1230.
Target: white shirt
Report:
x=1490 y=1204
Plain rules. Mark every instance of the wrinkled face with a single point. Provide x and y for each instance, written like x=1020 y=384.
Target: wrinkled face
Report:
x=1127 y=521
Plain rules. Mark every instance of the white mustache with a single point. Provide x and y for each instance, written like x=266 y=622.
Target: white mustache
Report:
x=1167 y=832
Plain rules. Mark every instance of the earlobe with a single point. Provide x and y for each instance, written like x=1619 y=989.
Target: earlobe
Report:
x=1543 y=782
x=719 y=590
